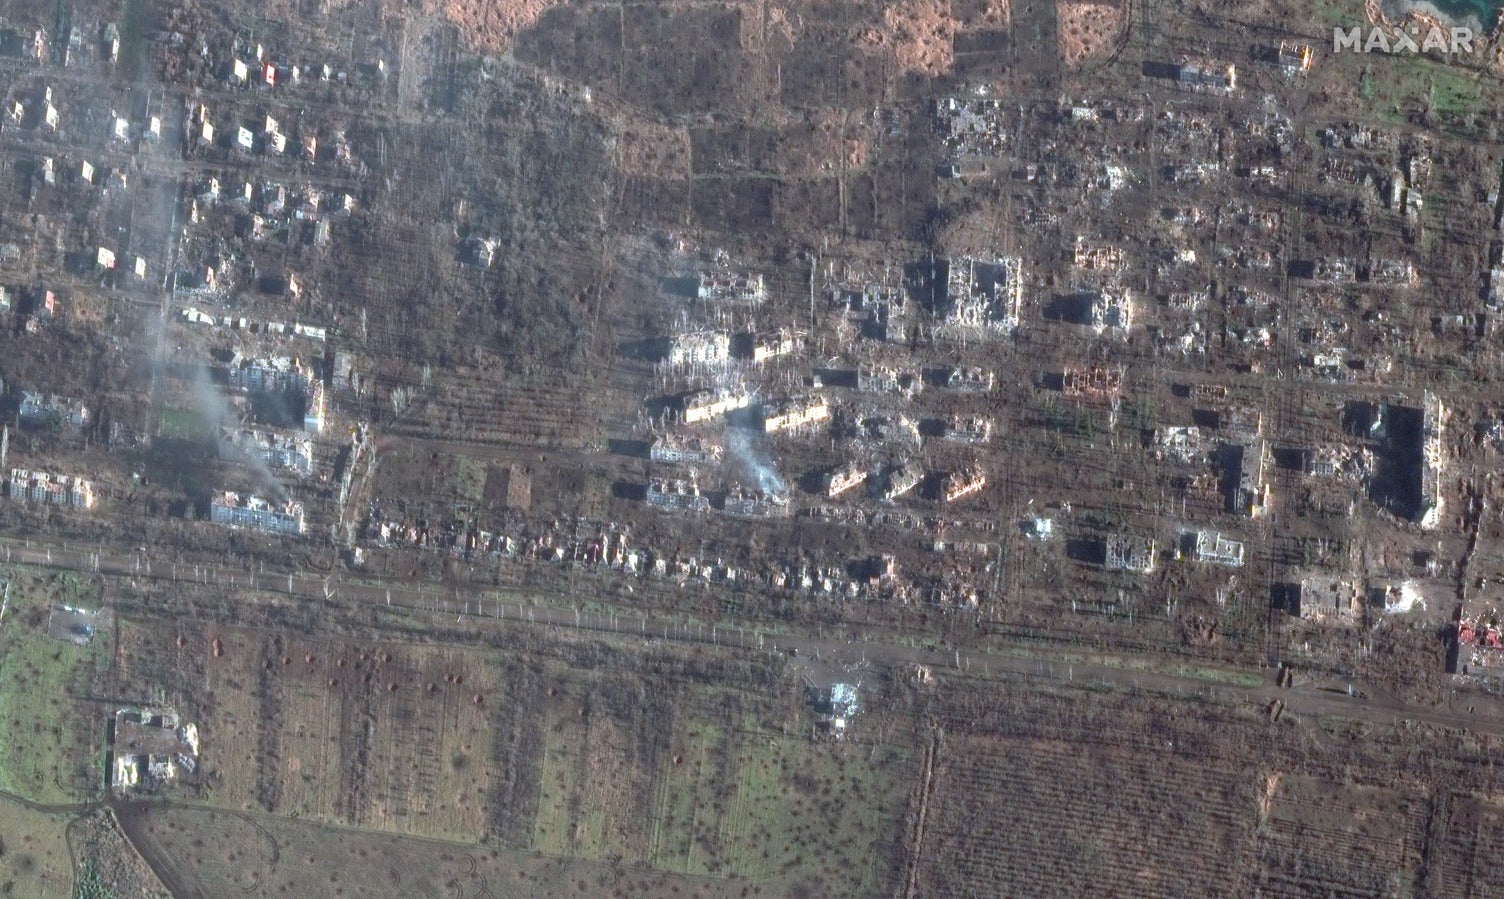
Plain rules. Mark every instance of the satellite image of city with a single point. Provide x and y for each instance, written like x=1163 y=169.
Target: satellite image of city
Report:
x=705 y=449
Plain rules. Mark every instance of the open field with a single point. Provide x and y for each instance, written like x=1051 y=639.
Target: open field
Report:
x=34 y=861
x=51 y=743
x=391 y=737
x=215 y=853
x=583 y=752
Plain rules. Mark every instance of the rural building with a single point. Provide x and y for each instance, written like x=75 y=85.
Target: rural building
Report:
x=234 y=510
x=150 y=748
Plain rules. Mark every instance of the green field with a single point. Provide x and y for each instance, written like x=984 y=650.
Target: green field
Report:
x=47 y=752
x=35 y=862
x=736 y=795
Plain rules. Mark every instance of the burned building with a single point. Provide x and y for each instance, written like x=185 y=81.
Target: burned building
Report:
x=756 y=503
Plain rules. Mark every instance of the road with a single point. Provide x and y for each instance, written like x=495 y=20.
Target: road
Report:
x=1034 y=661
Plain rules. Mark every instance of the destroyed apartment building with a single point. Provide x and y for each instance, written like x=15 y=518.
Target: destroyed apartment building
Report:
x=1213 y=548
x=1248 y=489
x=699 y=349
x=963 y=483
x=840 y=480
x=984 y=293
x=1126 y=552
x=720 y=283
x=794 y=413
x=967 y=428
x=900 y=480
x=285 y=451
x=257 y=514
x=677 y=494
x=40 y=410
x=51 y=489
x=284 y=376
x=685 y=448
x=708 y=404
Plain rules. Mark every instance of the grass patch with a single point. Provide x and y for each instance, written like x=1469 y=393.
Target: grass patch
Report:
x=35 y=861
x=50 y=749
x=184 y=424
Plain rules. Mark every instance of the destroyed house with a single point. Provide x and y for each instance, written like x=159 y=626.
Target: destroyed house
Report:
x=150 y=748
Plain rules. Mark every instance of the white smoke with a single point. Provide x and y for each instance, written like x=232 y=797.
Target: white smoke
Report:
x=755 y=461
x=218 y=415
